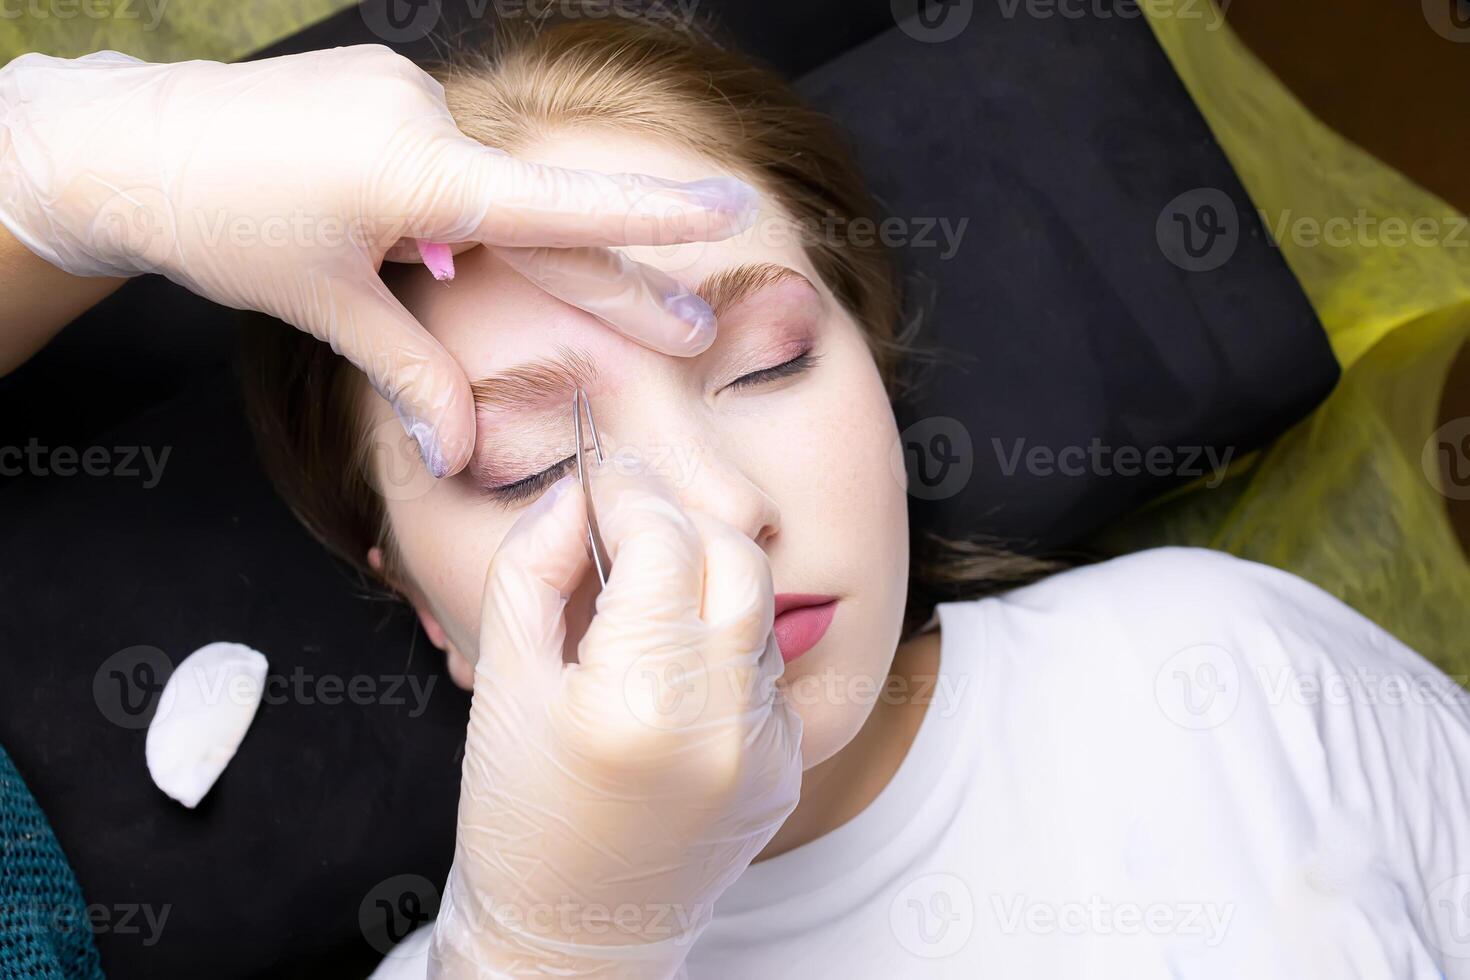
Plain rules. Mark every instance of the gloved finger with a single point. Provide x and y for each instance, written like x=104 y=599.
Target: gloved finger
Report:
x=739 y=608
x=738 y=595
x=466 y=191
x=535 y=570
x=640 y=302
x=367 y=324
x=656 y=585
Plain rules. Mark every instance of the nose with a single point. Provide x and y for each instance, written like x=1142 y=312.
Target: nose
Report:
x=710 y=467
x=721 y=481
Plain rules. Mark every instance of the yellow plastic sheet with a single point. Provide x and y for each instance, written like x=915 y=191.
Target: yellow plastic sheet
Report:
x=1351 y=498
x=154 y=30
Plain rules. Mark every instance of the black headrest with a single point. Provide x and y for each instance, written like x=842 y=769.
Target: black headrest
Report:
x=1112 y=317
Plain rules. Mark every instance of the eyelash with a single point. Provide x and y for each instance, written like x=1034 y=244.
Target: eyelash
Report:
x=512 y=493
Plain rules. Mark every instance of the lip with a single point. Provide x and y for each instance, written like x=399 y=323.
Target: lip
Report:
x=801 y=621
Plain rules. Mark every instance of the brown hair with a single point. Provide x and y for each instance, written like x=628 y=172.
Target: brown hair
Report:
x=670 y=81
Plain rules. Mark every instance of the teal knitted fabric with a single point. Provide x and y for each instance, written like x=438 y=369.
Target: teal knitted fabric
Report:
x=44 y=930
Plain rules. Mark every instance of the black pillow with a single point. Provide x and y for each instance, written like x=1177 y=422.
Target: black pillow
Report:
x=1111 y=316
x=1060 y=140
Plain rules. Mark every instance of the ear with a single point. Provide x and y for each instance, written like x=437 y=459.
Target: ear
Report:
x=461 y=671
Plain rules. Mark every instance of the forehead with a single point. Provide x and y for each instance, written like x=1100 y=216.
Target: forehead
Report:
x=489 y=316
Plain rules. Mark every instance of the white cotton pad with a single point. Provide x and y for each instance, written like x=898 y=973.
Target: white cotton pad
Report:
x=206 y=708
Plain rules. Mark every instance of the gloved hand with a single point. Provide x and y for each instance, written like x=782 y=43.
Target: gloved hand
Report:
x=605 y=805
x=281 y=185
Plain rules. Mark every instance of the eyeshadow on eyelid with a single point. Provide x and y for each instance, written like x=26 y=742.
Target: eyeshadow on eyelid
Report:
x=500 y=462
x=544 y=443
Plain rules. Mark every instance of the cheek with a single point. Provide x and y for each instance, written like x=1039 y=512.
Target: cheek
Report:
x=446 y=545
x=845 y=524
x=833 y=458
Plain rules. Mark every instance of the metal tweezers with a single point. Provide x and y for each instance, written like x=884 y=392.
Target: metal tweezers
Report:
x=594 y=536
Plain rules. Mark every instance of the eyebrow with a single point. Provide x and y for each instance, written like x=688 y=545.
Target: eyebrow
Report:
x=538 y=382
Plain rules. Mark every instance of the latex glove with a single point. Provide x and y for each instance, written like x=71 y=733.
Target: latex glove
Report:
x=605 y=805
x=281 y=185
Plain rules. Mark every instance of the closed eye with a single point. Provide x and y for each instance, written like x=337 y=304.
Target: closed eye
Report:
x=801 y=362
x=512 y=493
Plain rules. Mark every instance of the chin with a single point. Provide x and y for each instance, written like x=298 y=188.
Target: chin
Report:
x=834 y=687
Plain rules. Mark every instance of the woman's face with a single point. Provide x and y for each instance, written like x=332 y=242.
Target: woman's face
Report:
x=798 y=458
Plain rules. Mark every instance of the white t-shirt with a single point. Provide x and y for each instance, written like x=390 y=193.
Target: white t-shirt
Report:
x=1171 y=764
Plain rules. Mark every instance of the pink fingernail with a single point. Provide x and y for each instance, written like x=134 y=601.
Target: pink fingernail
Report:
x=438 y=258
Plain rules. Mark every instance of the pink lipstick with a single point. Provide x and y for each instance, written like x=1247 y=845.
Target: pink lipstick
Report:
x=801 y=620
